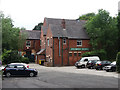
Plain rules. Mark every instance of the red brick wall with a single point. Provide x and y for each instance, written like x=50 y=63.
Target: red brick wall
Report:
x=73 y=44
x=42 y=40
x=35 y=44
x=49 y=50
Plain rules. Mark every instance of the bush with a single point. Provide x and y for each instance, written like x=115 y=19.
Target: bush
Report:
x=100 y=53
x=25 y=60
x=118 y=62
x=12 y=56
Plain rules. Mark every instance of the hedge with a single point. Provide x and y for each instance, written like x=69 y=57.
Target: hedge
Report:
x=100 y=53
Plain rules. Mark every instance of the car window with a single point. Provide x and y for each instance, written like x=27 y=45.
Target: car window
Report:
x=89 y=61
x=103 y=62
x=20 y=66
x=11 y=66
x=86 y=60
x=108 y=62
x=113 y=63
x=98 y=62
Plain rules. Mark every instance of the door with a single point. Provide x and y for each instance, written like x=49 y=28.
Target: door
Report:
x=21 y=70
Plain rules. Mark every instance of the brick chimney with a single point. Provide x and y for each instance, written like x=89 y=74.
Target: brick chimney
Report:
x=63 y=24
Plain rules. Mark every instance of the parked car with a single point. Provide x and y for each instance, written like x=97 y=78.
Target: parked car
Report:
x=91 y=64
x=101 y=64
x=26 y=65
x=83 y=61
x=19 y=69
x=1 y=68
x=111 y=67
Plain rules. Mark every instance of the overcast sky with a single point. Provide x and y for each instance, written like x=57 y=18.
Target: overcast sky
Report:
x=28 y=13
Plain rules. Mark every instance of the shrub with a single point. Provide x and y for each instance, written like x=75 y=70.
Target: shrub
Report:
x=25 y=60
x=118 y=62
x=12 y=56
x=101 y=53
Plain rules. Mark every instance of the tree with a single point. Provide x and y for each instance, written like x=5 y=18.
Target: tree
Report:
x=118 y=25
x=10 y=34
x=102 y=30
x=38 y=27
x=87 y=16
x=118 y=62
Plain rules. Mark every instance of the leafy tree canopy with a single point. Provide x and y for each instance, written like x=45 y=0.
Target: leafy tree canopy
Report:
x=10 y=34
x=87 y=16
x=38 y=27
x=102 y=30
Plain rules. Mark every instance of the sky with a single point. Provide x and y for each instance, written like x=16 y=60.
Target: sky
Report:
x=28 y=13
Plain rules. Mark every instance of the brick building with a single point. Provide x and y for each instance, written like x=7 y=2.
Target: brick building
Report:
x=63 y=41
x=32 y=43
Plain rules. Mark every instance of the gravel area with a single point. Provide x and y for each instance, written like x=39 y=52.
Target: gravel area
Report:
x=73 y=69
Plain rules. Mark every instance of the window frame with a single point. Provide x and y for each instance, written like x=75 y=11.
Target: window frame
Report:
x=64 y=40
x=27 y=43
x=79 y=41
x=75 y=53
x=70 y=54
x=48 y=42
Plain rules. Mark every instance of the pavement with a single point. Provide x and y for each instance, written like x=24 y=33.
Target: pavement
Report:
x=63 y=77
x=73 y=69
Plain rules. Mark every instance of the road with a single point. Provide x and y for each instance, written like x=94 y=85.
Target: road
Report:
x=53 y=78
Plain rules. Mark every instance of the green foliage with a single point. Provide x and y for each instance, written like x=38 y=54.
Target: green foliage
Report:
x=87 y=16
x=118 y=25
x=12 y=56
x=10 y=34
x=118 y=62
x=103 y=33
x=25 y=60
x=38 y=27
x=100 y=53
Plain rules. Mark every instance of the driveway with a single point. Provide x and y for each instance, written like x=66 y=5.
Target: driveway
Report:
x=73 y=69
x=64 y=77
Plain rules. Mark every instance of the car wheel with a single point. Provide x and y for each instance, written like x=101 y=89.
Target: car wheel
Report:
x=107 y=70
x=78 y=67
x=31 y=74
x=8 y=74
x=83 y=66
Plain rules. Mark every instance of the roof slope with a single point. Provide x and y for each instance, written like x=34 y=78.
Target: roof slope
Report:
x=31 y=34
x=73 y=28
x=74 y=32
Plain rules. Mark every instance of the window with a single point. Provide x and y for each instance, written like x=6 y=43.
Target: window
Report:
x=86 y=60
x=75 y=53
x=79 y=53
x=79 y=42
x=28 y=43
x=70 y=53
x=40 y=42
x=48 y=41
x=64 y=40
x=20 y=66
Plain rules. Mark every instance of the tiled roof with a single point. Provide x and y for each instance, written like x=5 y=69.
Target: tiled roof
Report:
x=74 y=28
x=31 y=34
x=73 y=32
x=67 y=21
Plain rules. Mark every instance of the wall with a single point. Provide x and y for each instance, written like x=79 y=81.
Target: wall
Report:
x=49 y=49
x=64 y=58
